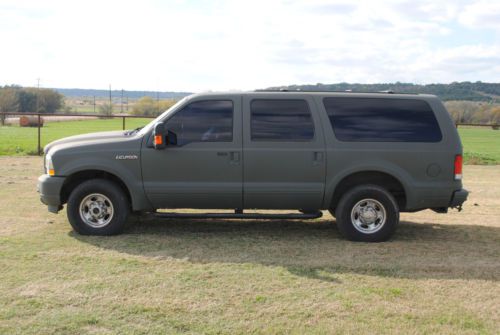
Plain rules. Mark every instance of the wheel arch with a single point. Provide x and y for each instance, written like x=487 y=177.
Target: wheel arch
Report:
x=390 y=181
x=78 y=177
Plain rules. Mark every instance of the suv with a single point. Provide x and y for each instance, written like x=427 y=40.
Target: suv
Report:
x=365 y=157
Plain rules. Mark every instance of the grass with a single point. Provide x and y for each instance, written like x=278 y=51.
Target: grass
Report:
x=16 y=140
x=481 y=145
x=439 y=274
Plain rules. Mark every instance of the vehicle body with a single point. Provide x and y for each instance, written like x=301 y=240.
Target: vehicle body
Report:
x=363 y=156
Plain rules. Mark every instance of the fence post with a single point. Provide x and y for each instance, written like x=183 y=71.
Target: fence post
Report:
x=39 y=144
x=123 y=122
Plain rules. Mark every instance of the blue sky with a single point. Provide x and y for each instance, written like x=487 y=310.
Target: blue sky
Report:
x=240 y=45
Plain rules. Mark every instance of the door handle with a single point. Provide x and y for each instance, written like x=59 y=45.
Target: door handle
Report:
x=235 y=156
x=317 y=157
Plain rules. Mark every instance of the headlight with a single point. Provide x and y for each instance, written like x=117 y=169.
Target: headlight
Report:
x=49 y=167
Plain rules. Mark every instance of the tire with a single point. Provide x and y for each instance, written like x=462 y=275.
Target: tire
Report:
x=98 y=207
x=367 y=213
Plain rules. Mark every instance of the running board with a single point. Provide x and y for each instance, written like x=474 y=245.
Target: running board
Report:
x=285 y=216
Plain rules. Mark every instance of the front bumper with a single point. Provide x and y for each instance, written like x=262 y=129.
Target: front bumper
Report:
x=458 y=198
x=50 y=191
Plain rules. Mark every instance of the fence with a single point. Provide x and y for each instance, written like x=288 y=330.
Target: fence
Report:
x=77 y=117
x=67 y=117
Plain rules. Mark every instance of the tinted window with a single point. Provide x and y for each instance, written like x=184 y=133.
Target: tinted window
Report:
x=382 y=120
x=281 y=120
x=203 y=121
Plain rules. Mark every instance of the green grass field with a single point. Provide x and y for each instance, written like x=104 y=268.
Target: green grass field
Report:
x=15 y=140
x=481 y=145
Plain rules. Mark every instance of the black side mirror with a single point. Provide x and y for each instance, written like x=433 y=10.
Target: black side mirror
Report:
x=171 y=138
x=159 y=138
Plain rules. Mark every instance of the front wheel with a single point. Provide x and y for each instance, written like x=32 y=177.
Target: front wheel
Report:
x=367 y=213
x=98 y=207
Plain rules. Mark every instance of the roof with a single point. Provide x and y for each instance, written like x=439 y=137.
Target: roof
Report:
x=282 y=93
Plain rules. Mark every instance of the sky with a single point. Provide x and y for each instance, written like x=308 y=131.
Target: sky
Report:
x=242 y=45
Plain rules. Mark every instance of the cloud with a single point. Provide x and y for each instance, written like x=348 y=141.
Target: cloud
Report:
x=481 y=14
x=221 y=44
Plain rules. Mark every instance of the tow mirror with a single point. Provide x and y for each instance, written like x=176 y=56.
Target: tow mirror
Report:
x=159 y=136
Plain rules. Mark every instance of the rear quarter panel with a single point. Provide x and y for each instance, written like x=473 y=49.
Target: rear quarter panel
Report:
x=410 y=163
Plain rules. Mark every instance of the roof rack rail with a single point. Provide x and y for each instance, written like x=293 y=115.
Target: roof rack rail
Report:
x=287 y=90
x=325 y=91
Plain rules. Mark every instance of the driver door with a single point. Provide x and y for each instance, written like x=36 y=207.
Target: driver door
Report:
x=204 y=169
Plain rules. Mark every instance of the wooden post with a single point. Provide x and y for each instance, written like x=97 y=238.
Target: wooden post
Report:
x=123 y=122
x=38 y=111
x=39 y=144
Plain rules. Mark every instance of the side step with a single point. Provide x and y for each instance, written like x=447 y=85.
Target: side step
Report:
x=240 y=215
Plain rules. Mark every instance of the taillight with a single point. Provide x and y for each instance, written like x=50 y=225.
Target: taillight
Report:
x=458 y=167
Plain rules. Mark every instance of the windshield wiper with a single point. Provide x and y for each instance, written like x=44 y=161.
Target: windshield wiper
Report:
x=131 y=132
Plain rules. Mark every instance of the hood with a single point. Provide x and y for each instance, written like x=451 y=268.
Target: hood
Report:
x=87 y=138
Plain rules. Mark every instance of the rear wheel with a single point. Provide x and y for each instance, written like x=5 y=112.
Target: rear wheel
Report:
x=98 y=207
x=367 y=213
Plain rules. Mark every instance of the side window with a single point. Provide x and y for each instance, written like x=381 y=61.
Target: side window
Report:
x=382 y=120
x=281 y=120
x=203 y=121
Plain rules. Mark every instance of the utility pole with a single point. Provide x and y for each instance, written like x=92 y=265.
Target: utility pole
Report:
x=37 y=93
x=158 y=101
x=110 y=103
x=121 y=103
x=94 y=104
x=127 y=102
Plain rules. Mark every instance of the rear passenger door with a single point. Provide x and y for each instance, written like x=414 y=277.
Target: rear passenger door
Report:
x=284 y=152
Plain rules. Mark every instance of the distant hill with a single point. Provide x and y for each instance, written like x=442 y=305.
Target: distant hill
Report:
x=477 y=91
x=99 y=94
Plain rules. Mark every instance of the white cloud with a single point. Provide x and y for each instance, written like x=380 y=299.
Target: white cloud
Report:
x=481 y=14
x=201 y=45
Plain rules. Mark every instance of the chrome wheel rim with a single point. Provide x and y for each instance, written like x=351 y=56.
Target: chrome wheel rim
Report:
x=368 y=216
x=96 y=210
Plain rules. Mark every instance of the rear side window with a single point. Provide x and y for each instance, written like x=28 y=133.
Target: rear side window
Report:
x=203 y=121
x=382 y=120
x=281 y=120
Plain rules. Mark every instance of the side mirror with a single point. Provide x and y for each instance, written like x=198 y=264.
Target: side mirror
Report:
x=159 y=136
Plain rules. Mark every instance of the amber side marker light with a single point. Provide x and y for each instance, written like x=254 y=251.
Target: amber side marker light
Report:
x=52 y=172
x=158 y=139
x=458 y=167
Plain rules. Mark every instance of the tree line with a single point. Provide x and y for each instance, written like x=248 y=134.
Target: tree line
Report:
x=473 y=112
x=17 y=99
x=470 y=91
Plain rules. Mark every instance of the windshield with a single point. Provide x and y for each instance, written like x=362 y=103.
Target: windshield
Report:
x=150 y=125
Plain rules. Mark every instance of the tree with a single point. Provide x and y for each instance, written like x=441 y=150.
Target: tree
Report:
x=145 y=106
x=495 y=115
x=106 y=109
x=462 y=111
x=27 y=101
x=8 y=102
x=148 y=106
x=50 y=101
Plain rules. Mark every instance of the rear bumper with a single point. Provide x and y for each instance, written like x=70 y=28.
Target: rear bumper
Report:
x=50 y=191
x=458 y=198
